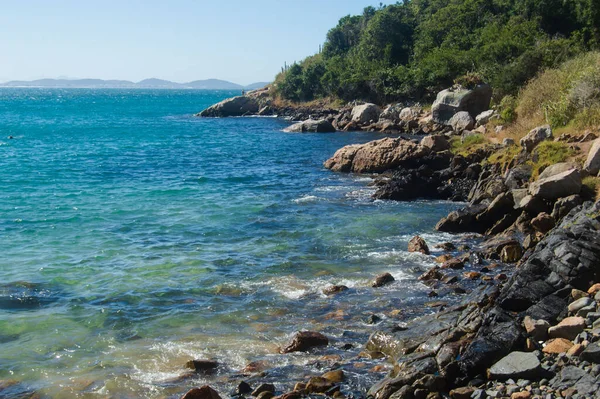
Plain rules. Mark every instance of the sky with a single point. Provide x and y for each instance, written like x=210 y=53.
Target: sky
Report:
x=243 y=41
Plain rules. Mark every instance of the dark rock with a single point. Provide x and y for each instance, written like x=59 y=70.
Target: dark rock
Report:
x=446 y=246
x=417 y=244
x=202 y=366
x=305 y=340
x=236 y=106
x=564 y=205
x=543 y=223
x=383 y=279
x=263 y=388
x=432 y=274
x=243 y=388
x=318 y=385
x=334 y=289
x=463 y=220
x=204 y=392
x=406 y=392
x=591 y=353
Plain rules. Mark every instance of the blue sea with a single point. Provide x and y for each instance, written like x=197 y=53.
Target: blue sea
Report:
x=136 y=237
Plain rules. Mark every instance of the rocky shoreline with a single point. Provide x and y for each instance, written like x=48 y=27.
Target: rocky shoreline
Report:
x=529 y=331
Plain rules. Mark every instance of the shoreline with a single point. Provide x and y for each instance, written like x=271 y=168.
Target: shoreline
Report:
x=497 y=324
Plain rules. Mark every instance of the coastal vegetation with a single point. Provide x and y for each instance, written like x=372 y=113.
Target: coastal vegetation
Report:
x=412 y=49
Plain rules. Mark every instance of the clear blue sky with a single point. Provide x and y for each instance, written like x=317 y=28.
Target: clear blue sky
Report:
x=242 y=41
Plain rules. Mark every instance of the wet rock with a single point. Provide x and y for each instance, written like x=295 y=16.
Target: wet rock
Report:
x=373 y=319
x=536 y=136
x=432 y=274
x=417 y=244
x=463 y=220
x=204 y=392
x=334 y=289
x=334 y=376
x=516 y=365
x=543 y=223
x=202 y=366
x=472 y=275
x=461 y=121
x=560 y=185
x=263 y=388
x=557 y=345
x=311 y=125
x=383 y=279
x=304 y=341
x=443 y=258
x=569 y=328
x=265 y=395
x=342 y=159
x=243 y=388
x=446 y=246
x=318 y=385
x=511 y=253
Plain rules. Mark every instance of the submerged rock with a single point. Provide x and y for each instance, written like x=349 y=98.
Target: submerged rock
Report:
x=382 y=279
x=304 y=341
x=202 y=366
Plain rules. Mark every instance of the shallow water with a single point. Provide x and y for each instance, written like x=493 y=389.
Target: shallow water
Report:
x=137 y=237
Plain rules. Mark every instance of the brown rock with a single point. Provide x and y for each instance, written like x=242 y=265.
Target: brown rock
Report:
x=432 y=274
x=568 y=328
x=334 y=376
x=511 y=253
x=538 y=329
x=202 y=366
x=265 y=395
x=454 y=263
x=575 y=350
x=318 y=385
x=256 y=367
x=462 y=393
x=263 y=388
x=305 y=340
x=501 y=277
x=443 y=258
x=521 y=395
x=382 y=279
x=543 y=223
x=300 y=387
x=417 y=244
x=446 y=246
x=334 y=289
x=594 y=289
x=204 y=392
x=558 y=345
x=578 y=294
x=472 y=275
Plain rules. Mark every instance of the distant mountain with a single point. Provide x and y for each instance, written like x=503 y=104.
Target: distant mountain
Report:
x=208 y=84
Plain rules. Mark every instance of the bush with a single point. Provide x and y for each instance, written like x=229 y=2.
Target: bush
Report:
x=549 y=153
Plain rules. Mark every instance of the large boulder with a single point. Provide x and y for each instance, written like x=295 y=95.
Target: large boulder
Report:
x=555 y=169
x=375 y=156
x=536 y=136
x=456 y=99
x=516 y=365
x=311 y=125
x=592 y=163
x=436 y=143
x=462 y=121
x=391 y=113
x=364 y=114
x=557 y=186
x=236 y=106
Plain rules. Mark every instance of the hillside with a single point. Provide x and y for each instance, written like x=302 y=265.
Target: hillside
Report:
x=153 y=83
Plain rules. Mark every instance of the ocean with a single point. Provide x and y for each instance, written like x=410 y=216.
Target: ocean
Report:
x=136 y=237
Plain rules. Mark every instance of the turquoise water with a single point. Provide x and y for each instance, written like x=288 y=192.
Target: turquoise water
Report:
x=136 y=237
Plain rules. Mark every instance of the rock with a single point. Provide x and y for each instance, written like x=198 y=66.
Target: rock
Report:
x=375 y=156
x=318 y=385
x=591 y=353
x=594 y=289
x=580 y=303
x=521 y=395
x=461 y=121
x=443 y=258
x=365 y=113
x=462 y=393
x=263 y=388
x=511 y=253
x=408 y=114
x=311 y=125
x=538 y=329
x=578 y=294
x=243 y=388
x=382 y=279
x=558 y=345
x=564 y=205
x=507 y=142
x=516 y=365
x=592 y=163
x=568 y=328
x=406 y=392
x=305 y=340
x=472 y=275
x=334 y=376
x=556 y=169
x=446 y=246
x=557 y=186
x=436 y=143
x=417 y=244
x=454 y=263
x=484 y=117
x=463 y=220
x=432 y=274
x=391 y=113
x=202 y=366
x=236 y=106
x=265 y=395
x=450 y=101
x=543 y=223
x=204 y=392
x=575 y=350
x=536 y=136
x=334 y=289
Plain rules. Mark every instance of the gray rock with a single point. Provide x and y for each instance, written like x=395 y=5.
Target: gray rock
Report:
x=507 y=142
x=555 y=169
x=592 y=163
x=236 y=106
x=391 y=113
x=365 y=113
x=450 y=101
x=516 y=365
x=436 y=143
x=557 y=186
x=484 y=117
x=591 y=353
x=408 y=114
x=536 y=136
x=564 y=205
x=575 y=306
x=461 y=121
x=311 y=125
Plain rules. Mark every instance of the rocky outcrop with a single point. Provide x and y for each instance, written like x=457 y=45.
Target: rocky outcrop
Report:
x=375 y=156
x=311 y=125
x=236 y=106
x=365 y=113
x=456 y=99
x=536 y=136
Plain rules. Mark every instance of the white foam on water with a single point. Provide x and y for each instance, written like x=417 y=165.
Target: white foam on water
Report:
x=306 y=199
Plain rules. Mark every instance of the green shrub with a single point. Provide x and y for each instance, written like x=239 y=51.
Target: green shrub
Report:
x=549 y=153
x=507 y=109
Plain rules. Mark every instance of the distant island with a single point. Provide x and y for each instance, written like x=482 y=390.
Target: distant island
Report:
x=208 y=84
